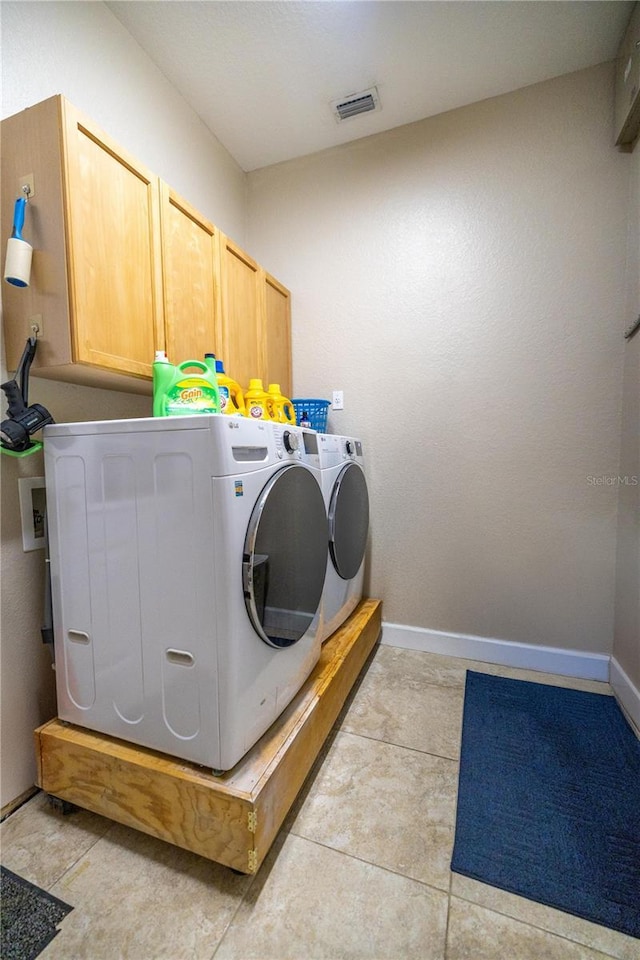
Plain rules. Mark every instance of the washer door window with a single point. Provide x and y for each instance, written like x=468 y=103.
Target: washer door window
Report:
x=348 y=521
x=285 y=556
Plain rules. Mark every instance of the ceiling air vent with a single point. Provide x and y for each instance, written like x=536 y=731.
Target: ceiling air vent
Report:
x=357 y=103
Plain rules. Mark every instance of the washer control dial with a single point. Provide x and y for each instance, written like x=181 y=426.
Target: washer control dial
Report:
x=291 y=441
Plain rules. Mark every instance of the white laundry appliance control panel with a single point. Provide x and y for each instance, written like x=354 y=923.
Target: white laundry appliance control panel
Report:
x=296 y=443
x=334 y=450
x=352 y=448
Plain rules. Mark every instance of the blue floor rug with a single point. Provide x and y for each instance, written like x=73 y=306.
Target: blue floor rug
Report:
x=549 y=798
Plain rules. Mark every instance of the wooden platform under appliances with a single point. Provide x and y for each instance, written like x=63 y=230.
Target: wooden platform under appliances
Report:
x=233 y=818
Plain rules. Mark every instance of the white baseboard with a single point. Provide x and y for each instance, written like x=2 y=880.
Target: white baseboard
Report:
x=626 y=692
x=566 y=663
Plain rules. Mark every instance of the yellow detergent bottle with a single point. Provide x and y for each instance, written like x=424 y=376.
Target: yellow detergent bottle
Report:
x=188 y=388
x=257 y=403
x=231 y=395
x=282 y=408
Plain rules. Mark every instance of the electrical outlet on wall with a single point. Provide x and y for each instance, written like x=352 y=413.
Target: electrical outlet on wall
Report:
x=33 y=502
x=338 y=400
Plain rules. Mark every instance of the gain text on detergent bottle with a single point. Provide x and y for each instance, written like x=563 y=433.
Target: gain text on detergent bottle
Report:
x=257 y=403
x=188 y=388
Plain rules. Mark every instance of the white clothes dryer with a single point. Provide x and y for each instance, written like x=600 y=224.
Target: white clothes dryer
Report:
x=188 y=558
x=346 y=497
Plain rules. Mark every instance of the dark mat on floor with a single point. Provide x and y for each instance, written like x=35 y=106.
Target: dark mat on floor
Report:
x=549 y=798
x=29 y=917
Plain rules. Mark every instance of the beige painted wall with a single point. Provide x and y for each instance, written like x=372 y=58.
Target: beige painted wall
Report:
x=626 y=644
x=82 y=51
x=462 y=280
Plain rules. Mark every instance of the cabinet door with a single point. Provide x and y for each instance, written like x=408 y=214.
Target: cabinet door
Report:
x=31 y=141
x=242 y=315
x=277 y=319
x=114 y=251
x=191 y=270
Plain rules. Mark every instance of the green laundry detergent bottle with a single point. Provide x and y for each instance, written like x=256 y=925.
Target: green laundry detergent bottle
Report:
x=188 y=388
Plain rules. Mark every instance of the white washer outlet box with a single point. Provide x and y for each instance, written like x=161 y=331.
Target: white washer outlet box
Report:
x=338 y=400
x=33 y=501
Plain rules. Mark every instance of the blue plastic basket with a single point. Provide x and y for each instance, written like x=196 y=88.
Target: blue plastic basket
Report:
x=316 y=411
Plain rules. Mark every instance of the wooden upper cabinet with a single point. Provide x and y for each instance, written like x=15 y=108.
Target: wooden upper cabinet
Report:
x=190 y=259
x=243 y=343
x=277 y=318
x=93 y=222
x=255 y=321
x=122 y=266
x=114 y=258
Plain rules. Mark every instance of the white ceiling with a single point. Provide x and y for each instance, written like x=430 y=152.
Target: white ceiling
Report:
x=261 y=75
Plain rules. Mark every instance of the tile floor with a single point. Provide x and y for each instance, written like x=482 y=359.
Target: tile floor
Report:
x=359 y=870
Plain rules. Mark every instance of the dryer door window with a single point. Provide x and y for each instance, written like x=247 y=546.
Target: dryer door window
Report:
x=348 y=521
x=285 y=556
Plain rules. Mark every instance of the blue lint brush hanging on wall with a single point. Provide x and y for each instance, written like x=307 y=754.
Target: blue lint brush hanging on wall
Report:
x=17 y=268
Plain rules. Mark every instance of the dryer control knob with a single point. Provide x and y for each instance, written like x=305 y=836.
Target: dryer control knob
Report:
x=349 y=447
x=291 y=441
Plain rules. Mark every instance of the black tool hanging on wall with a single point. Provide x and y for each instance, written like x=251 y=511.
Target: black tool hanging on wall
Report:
x=23 y=420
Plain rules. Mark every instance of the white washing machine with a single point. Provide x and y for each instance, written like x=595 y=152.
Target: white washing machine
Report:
x=346 y=497
x=188 y=558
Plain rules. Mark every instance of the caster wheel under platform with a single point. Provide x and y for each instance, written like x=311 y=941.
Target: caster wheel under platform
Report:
x=65 y=807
